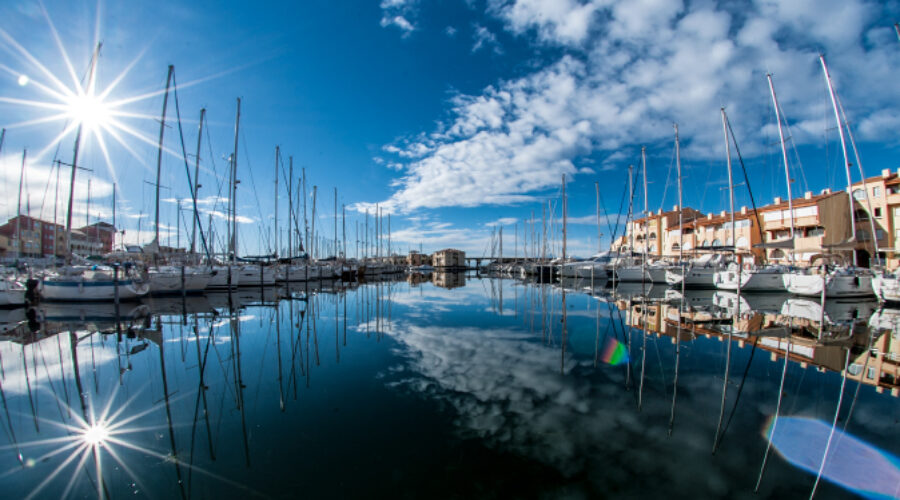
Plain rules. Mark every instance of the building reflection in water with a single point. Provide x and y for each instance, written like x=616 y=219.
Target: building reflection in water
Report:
x=248 y=392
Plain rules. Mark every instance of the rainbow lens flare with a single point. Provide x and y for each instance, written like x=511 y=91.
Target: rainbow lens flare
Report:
x=614 y=352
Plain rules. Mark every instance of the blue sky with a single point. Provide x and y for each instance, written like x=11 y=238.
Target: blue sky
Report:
x=454 y=115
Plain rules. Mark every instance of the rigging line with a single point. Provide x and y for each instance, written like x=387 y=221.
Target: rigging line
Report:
x=255 y=193
x=187 y=170
x=737 y=150
x=46 y=189
x=662 y=202
x=794 y=147
x=619 y=214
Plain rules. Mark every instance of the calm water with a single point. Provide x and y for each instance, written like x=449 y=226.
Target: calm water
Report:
x=413 y=390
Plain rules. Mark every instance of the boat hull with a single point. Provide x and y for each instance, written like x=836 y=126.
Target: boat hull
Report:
x=811 y=285
x=256 y=276
x=749 y=280
x=80 y=289
x=699 y=277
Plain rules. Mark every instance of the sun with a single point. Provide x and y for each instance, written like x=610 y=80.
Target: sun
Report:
x=89 y=110
x=96 y=434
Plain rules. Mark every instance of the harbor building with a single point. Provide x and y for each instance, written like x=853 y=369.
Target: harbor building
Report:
x=821 y=224
x=712 y=233
x=416 y=258
x=650 y=232
x=449 y=258
x=38 y=238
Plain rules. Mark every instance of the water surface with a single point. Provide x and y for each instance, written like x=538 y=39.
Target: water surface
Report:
x=475 y=388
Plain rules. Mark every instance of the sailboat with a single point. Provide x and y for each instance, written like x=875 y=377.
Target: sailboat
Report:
x=700 y=272
x=644 y=272
x=88 y=282
x=767 y=278
x=842 y=281
x=12 y=291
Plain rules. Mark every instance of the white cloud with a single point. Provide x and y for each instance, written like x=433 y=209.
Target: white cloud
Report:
x=630 y=70
x=485 y=39
x=558 y=21
x=398 y=13
x=398 y=21
x=505 y=221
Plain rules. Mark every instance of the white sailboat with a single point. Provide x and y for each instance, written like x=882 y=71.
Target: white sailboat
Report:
x=699 y=273
x=848 y=281
x=841 y=282
x=766 y=278
x=77 y=283
x=173 y=279
x=87 y=283
x=12 y=292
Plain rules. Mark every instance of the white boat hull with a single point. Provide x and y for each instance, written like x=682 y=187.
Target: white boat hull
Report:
x=170 y=281
x=844 y=285
x=78 y=288
x=698 y=277
x=749 y=280
x=252 y=275
x=586 y=270
x=220 y=278
x=291 y=273
x=12 y=293
x=886 y=288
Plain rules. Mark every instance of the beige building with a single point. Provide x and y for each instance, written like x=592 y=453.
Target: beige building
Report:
x=820 y=221
x=650 y=232
x=448 y=280
x=712 y=232
x=449 y=258
x=884 y=199
x=416 y=259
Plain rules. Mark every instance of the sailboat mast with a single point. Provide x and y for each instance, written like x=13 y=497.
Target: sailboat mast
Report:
x=290 y=206
x=840 y=127
x=599 y=231
x=113 y=216
x=335 y=225
x=680 y=207
x=197 y=181
x=90 y=90
x=277 y=153
x=234 y=183
x=730 y=180
x=159 y=152
x=787 y=173
x=565 y=220
x=646 y=203
x=305 y=219
x=314 y=250
x=19 y=207
x=630 y=208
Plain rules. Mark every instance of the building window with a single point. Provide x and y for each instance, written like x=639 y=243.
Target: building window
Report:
x=876 y=191
x=815 y=231
x=877 y=212
x=879 y=234
x=859 y=194
x=893 y=189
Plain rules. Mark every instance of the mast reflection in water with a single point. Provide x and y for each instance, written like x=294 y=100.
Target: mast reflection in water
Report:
x=444 y=385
